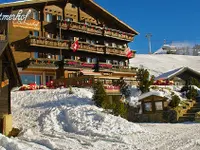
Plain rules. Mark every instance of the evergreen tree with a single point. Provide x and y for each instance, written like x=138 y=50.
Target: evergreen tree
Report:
x=144 y=80
x=100 y=95
x=191 y=93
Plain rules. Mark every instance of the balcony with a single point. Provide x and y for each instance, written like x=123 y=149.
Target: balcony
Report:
x=48 y=42
x=123 y=69
x=42 y=63
x=79 y=64
x=81 y=27
x=102 y=66
x=95 y=30
x=118 y=34
x=115 y=51
x=91 y=47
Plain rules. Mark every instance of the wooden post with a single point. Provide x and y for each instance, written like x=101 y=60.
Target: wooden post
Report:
x=41 y=21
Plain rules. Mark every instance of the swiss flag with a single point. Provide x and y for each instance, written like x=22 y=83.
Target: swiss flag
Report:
x=75 y=46
x=128 y=52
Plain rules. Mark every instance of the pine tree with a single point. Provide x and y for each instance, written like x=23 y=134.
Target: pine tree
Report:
x=144 y=80
x=100 y=95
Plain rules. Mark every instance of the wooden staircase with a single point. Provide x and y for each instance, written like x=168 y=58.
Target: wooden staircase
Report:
x=190 y=115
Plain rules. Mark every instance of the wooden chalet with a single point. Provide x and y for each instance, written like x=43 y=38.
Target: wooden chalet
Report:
x=9 y=78
x=50 y=30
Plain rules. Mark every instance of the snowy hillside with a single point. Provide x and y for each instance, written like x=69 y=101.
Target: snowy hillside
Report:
x=158 y=64
x=55 y=120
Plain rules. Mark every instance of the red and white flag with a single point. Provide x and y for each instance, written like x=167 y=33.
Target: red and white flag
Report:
x=75 y=46
x=128 y=52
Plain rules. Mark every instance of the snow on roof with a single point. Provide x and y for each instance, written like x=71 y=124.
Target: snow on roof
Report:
x=155 y=93
x=170 y=73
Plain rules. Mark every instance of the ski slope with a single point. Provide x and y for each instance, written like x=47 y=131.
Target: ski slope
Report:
x=158 y=64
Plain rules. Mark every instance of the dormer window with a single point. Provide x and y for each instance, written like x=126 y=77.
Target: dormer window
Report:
x=49 y=17
x=59 y=17
x=69 y=19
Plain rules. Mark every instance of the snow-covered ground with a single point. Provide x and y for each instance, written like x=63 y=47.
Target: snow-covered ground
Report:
x=158 y=64
x=53 y=119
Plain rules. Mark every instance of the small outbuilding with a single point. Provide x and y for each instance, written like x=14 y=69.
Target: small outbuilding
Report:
x=152 y=106
x=9 y=78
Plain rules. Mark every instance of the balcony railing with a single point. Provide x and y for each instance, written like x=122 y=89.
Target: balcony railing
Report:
x=118 y=34
x=81 y=27
x=115 y=51
x=96 y=30
x=48 y=42
x=42 y=63
x=66 y=44
x=79 y=64
x=102 y=66
x=91 y=47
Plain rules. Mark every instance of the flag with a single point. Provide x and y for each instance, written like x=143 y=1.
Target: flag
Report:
x=75 y=46
x=128 y=52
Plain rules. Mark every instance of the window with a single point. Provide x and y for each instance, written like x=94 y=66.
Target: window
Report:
x=35 y=33
x=106 y=44
x=88 y=59
x=72 y=57
x=49 y=35
x=35 y=54
x=31 y=78
x=93 y=42
x=159 y=105
x=148 y=106
x=49 y=78
x=35 y=15
x=59 y=17
x=88 y=40
x=68 y=19
x=49 y=17
x=115 y=62
x=120 y=46
x=114 y=45
x=108 y=61
x=121 y=63
x=94 y=60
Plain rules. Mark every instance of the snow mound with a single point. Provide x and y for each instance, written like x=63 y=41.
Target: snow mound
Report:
x=52 y=118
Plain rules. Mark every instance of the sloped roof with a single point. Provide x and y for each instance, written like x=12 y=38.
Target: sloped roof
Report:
x=87 y=2
x=176 y=72
x=152 y=93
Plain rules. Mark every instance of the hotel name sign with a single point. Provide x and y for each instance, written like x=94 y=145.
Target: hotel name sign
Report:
x=20 y=20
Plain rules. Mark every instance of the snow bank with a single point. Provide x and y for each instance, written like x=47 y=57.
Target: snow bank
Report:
x=55 y=119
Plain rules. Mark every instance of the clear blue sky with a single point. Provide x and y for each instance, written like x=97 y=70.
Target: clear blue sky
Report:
x=173 y=20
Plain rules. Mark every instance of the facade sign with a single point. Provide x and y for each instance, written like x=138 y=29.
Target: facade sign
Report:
x=28 y=24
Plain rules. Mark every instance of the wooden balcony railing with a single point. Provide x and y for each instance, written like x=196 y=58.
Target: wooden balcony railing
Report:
x=42 y=63
x=83 y=46
x=115 y=51
x=2 y=37
x=96 y=30
x=118 y=34
x=102 y=66
x=81 y=27
x=91 y=47
x=48 y=42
